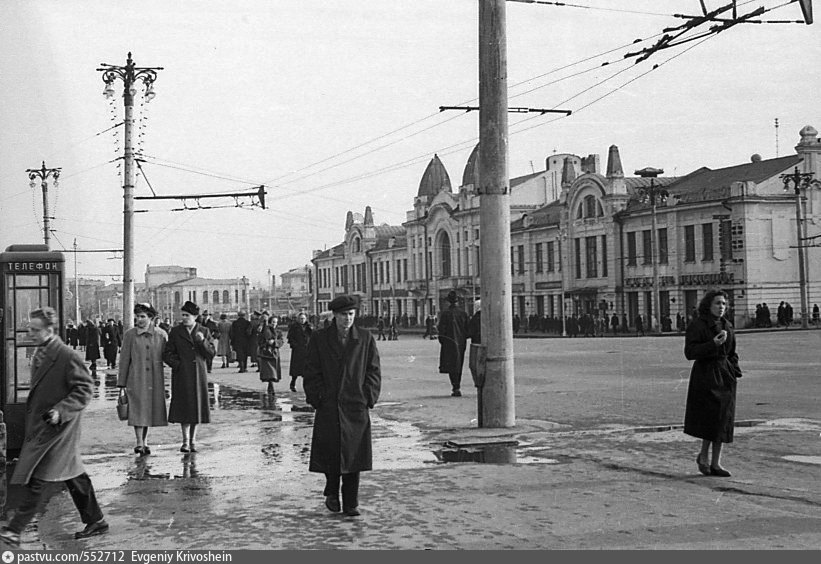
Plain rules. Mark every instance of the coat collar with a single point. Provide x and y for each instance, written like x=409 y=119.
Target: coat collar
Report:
x=50 y=351
x=149 y=329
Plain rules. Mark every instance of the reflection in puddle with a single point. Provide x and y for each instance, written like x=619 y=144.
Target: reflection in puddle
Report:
x=503 y=452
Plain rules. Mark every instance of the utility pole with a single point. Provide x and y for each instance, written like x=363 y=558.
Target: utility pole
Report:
x=560 y=239
x=43 y=174
x=800 y=180
x=499 y=404
x=653 y=192
x=76 y=287
x=130 y=75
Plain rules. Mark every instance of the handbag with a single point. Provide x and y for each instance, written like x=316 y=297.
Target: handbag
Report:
x=122 y=406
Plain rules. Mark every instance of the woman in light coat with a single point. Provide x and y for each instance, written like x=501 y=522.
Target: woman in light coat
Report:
x=141 y=375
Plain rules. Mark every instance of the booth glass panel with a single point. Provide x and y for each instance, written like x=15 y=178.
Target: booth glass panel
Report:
x=24 y=358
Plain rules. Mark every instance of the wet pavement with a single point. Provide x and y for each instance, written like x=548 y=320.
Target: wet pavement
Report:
x=440 y=483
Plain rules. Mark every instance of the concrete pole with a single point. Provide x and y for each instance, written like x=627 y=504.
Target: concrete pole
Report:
x=496 y=289
x=654 y=256
x=76 y=288
x=128 y=209
x=802 y=276
x=46 y=227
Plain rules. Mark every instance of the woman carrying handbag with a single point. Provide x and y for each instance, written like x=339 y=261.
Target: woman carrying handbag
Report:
x=269 y=340
x=141 y=379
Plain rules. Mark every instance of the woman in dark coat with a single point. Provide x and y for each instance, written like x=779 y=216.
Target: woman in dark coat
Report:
x=710 y=411
x=299 y=335
x=189 y=345
x=342 y=380
x=92 y=335
x=269 y=340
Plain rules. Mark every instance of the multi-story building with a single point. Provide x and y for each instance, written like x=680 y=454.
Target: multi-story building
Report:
x=227 y=295
x=586 y=236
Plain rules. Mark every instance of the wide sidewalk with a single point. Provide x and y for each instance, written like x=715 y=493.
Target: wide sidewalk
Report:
x=576 y=484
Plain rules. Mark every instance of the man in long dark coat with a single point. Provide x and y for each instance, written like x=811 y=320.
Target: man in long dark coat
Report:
x=342 y=381
x=92 y=334
x=111 y=343
x=61 y=388
x=189 y=345
x=299 y=335
x=240 y=336
x=452 y=330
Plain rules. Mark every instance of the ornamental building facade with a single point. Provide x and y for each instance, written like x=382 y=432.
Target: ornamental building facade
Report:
x=582 y=241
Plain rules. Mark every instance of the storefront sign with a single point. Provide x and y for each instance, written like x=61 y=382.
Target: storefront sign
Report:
x=647 y=281
x=549 y=285
x=713 y=278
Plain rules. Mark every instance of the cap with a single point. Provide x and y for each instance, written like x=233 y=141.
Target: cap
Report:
x=343 y=303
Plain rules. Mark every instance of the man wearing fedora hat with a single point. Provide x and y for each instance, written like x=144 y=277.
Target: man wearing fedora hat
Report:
x=342 y=379
x=452 y=330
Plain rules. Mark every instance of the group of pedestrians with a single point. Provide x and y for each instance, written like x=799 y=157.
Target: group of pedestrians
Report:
x=342 y=381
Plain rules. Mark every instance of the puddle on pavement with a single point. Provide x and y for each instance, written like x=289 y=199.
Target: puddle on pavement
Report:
x=803 y=459
x=505 y=452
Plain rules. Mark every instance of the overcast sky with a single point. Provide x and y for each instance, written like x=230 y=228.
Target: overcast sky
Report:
x=306 y=96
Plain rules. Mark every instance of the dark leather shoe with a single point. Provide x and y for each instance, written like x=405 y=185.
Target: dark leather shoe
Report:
x=332 y=503
x=703 y=468
x=456 y=393
x=352 y=512
x=92 y=529
x=719 y=472
x=185 y=448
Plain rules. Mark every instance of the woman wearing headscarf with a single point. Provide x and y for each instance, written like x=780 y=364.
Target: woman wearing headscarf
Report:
x=269 y=340
x=141 y=375
x=224 y=342
x=710 y=411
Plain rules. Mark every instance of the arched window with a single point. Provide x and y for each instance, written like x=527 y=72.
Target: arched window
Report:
x=216 y=297
x=444 y=254
x=205 y=296
x=357 y=245
x=589 y=206
x=176 y=297
x=226 y=297
x=580 y=211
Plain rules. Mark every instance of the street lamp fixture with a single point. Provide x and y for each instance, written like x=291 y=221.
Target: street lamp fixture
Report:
x=130 y=74
x=654 y=193
x=801 y=181
x=44 y=174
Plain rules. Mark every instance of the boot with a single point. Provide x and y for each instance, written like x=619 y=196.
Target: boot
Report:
x=293 y=384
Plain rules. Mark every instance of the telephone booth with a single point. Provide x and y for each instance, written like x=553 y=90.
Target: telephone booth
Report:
x=31 y=278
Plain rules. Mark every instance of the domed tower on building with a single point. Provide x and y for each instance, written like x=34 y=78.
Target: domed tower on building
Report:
x=470 y=176
x=434 y=180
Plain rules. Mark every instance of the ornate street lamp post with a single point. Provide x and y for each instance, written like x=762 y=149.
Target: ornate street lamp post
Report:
x=130 y=75
x=799 y=181
x=654 y=192
x=43 y=174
